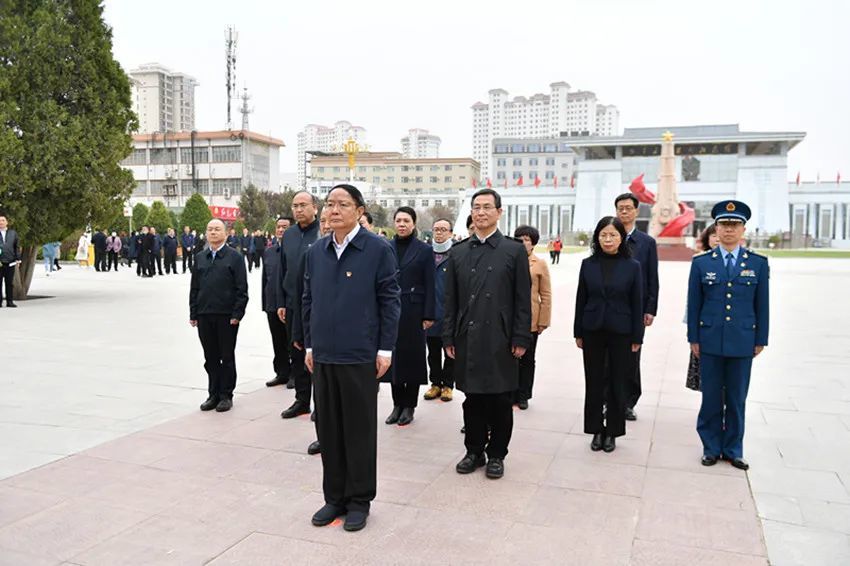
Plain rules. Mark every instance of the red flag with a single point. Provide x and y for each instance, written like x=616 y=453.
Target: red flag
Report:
x=475 y=183
x=519 y=181
x=489 y=184
x=537 y=181
x=573 y=182
x=798 y=178
x=555 y=182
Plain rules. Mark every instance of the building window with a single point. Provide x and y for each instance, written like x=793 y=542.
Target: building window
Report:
x=201 y=155
x=418 y=179
x=518 y=148
x=550 y=148
x=500 y=148
x=384 y=203
x=320 y=169
x=534 y=148
x=336 y=169
x=532 y=175
x=226 y=154
x=501 y=162
x=550 y=161
x=397 y=202
x=219 y=186
x=376 y=180
x=434 y=179
x=435 y=167
x=447 y=167
x=425 y=202
x=532 y=161
x=411 y=203
x=550 y=174
x=500 y=175
x=405 y=168
x=517 y=162
x=389 y=179
x=405 y=179
x=517 y=174
x=419 y=168
x=438 y=202
x=138 y=157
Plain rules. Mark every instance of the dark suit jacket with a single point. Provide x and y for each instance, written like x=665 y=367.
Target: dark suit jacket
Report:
x=351 y=305
x=616 y=307
x=98 y=240
x=645 y=251
x=11 y=247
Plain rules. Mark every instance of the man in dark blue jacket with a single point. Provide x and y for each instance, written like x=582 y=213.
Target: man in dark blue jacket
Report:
x=441 y=367
x=156 y=252
x=187 y=242
x=351 y=310
x=290 y=288
x=645 y=251
x=169 y=248
x=277 y=327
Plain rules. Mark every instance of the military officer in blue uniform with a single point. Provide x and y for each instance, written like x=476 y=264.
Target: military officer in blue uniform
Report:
x=728 y=313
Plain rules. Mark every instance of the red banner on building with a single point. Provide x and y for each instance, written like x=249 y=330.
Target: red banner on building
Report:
x=225 y=212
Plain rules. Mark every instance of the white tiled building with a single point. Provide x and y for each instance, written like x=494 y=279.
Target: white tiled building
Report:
x=163 y=100
x=224 y=162
x=419 y=143
x=315 y=137
x=561 y=112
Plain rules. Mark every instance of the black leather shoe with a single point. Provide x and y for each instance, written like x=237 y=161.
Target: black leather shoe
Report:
x=523 y=405
x=314 y=448
x=290 y=384
x=739 y=463
x=12 y=305
x=297 y=408
x=224 y=405
x=708 y=460
x=355 y=520
x=609 y=444
x=596 y=443
x=209 y=404
x=406 y=416
x=327 y=514
x=495 y=468
x=470 y=463
x=276 y=381
x=394 y=415
x=630 y=414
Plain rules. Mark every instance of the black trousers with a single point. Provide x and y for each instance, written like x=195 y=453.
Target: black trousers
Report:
x=7 y=273
x=218 y=338
x=156 y=264
x=99 y=260
x=299 y=373
x=633 y=389
x=111 y=260
x=526 y=370
x=441 y=367
x=171 y=263
x=600 y=346
x=280 y=345
x=405 y=395
x=488 y=410
x=250 y=259
x=347 y=405
x=188 y=259
x=557 y=258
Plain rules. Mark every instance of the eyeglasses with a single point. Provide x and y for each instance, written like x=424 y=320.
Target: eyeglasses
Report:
x=485 y=208
x=442 y=229
x=340 y=205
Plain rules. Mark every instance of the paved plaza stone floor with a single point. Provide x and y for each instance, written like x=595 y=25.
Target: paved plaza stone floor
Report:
x=107 y=460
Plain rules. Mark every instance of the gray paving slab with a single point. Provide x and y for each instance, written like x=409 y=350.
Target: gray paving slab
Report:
x=108 y=461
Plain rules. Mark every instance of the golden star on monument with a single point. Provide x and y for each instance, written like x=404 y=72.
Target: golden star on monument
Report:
x=667 y=136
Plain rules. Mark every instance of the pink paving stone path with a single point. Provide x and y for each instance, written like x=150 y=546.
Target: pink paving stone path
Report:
x=238 y=488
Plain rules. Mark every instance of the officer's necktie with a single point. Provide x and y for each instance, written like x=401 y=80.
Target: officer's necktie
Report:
x=730 y=263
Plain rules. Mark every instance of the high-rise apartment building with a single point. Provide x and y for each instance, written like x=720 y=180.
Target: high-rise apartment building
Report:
x=562 y=112
x=163 y=100
x=315 y=137
x=419 y=143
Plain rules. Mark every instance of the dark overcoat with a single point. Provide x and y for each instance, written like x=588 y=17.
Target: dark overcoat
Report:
x=487 y=312
x=416 y=279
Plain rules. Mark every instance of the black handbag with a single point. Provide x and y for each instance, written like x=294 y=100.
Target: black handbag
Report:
x=692 y=381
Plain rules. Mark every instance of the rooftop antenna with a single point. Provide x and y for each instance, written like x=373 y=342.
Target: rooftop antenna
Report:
x=244 y=109
x=230 y=39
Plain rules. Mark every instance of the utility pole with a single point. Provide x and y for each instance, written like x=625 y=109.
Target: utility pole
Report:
x=230 y=39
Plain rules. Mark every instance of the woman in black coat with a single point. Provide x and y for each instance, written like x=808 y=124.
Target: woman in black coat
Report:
x=609 y=328
x=416 y=279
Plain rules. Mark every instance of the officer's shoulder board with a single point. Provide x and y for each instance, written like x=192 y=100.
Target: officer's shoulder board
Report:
x=702 y=253
x=755 y=253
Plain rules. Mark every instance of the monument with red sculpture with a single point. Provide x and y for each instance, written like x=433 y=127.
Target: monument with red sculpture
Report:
x=670 y=216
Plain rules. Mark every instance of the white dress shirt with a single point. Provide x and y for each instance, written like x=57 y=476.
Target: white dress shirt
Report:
x=484 y=239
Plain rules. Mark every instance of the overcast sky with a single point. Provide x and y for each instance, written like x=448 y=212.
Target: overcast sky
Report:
x=777 y=65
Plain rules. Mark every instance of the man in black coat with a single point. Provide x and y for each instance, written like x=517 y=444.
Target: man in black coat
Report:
x=277 y=327
x=645 y=251
x=187 y=242
x=487 y=329
x=169 y=248
x=144 y=246
x=98 y=240
x=218 y=296
x=296 y=240
x=10 y=255
x=156 y=252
